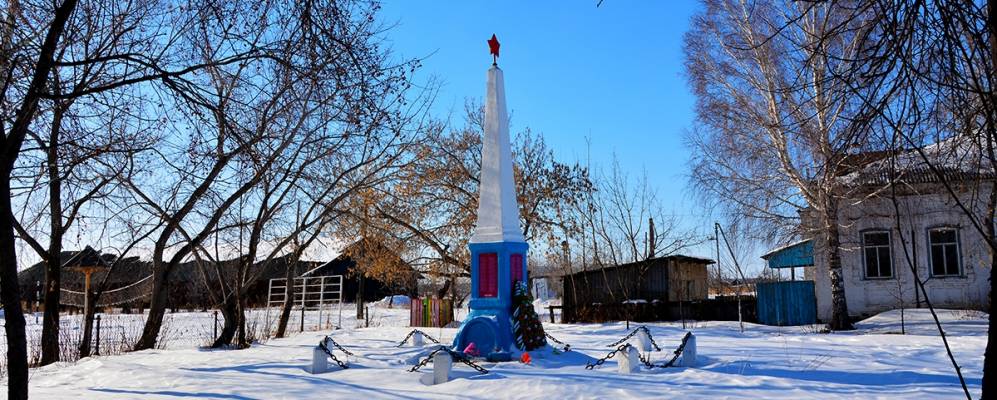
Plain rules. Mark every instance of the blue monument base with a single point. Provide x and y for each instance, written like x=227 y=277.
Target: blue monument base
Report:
x=489 y=323
x=489 y=334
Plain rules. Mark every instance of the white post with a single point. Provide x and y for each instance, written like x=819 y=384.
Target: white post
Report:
x=689 y=352
x=629 y=360
x=321 y=300
x=340 y=300
x=417 y=339
x=442 y=363
x=644 y=341
x=320 y=363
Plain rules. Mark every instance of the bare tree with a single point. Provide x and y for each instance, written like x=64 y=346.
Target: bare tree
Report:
x=934 y=66
x=777 y=126
x=433 y=206
x=124 y=57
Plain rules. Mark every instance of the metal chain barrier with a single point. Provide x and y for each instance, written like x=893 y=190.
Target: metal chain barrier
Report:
x=329 y=339
x=600 y=361
x=324 y=348
x=414 y=331
x=455 y=355
x=634 y=332
x=567 y=347
x=647 y=362
x=678 y=351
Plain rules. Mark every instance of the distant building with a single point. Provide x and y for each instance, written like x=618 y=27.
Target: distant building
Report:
x=933 y=234
x=663 y=279
x=187 y=284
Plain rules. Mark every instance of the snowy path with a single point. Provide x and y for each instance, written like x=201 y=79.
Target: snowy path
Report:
x=764 y=362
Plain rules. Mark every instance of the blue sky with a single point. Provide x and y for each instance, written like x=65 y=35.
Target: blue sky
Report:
x=612 y=74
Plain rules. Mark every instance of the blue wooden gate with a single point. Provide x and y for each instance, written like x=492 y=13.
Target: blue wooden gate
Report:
x=786 y=303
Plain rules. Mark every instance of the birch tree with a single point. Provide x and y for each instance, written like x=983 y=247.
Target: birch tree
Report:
x=775 y=129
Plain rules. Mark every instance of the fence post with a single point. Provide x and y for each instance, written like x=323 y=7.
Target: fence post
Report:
x=320 y=363
x=96 y=348
x=442 y=363
x=215 y=337
x=629 y=360
x=304 y=294
x=689 y=352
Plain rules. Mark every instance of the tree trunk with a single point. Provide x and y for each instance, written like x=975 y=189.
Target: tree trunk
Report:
x=88 y=325
x=157 y=308
x=53 y=265
x=10 y=295
x=990 y=354
x=360 y=300
x=442 y=293
x=230 y=312
x=10 y=292
x=839 y=305
x=285 y=309
x=240 y=311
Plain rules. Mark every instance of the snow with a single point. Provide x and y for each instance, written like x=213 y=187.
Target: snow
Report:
x=762 y=362
x=397 y=300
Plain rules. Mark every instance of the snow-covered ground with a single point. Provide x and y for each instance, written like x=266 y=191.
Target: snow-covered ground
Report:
x=762 y=362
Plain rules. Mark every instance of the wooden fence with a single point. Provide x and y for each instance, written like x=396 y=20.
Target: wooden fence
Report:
x=430 y=312
x=787 y=303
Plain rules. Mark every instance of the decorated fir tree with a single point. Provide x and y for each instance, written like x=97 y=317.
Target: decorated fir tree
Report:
x=526 y=327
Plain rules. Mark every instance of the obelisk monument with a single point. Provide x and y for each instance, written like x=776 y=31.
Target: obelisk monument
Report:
x=498 y=249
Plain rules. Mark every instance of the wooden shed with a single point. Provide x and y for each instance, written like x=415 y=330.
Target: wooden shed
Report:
x=664 y=279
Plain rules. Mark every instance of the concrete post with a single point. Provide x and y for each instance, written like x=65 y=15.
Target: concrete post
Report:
x=417 y=339
x=320 y=363
x=629 y=360
x=689 y=352
x=644 y=341
x=442 y=363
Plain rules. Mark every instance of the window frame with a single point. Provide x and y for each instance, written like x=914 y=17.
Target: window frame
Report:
x=958 y=252
x=889 y=248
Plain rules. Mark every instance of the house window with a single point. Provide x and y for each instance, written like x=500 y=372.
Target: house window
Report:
x=944 y=247
x=876 y=252
x=487 y=275
x=516 y=268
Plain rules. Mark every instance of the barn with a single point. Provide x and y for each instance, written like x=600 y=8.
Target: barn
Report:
x=612 y=290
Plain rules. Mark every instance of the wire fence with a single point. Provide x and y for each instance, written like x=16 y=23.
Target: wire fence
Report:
x=118 y=333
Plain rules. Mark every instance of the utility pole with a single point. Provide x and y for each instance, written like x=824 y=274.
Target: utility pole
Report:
x=737 y=266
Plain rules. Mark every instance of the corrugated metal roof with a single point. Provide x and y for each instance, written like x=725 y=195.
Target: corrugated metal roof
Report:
x=798 y=254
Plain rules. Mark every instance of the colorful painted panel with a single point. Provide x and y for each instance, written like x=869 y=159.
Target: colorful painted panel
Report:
x=488 y=275
x=516 y=268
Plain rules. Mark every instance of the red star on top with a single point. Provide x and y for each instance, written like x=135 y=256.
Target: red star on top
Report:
x=493 y=48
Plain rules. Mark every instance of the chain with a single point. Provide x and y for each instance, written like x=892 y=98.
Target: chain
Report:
x=455 y=355
x=678 y=351
x=638 y=329
x=646 y=361
x=425 y=361
x=414 y=331
x=332 y=356
x=567 y=347
x=329 y=339
x=600 y=361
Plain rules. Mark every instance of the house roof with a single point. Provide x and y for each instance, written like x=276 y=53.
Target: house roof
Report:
x=956 y=159
x=677 y=257
x=796 y=254
x=87 y=257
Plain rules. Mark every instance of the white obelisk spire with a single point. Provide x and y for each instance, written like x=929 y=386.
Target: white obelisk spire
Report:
x=498 y=211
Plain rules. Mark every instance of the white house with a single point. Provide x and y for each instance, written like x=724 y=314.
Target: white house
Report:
x=924 y=233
